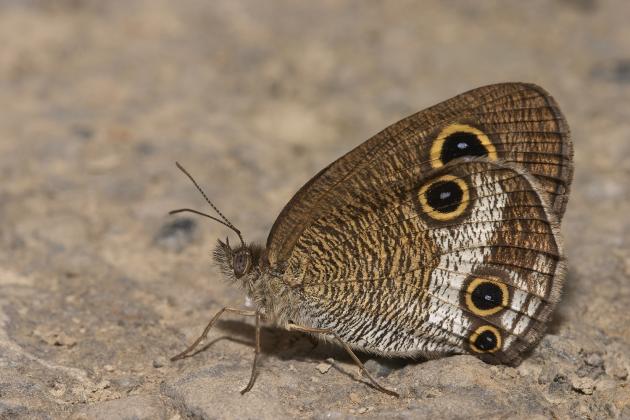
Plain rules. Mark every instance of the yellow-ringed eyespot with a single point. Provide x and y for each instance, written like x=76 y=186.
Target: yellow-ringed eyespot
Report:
x=485 y=339
x=444 y=198
x=485 y=296
x=457 y=140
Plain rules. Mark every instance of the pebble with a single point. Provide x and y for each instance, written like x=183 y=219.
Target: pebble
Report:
x=54 y=338
x=58 y=389
x=323 y=367
x=594 y=359
x=159 y=362
x=584 y=385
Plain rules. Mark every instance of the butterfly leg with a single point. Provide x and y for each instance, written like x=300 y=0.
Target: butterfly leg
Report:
x=209 y=327
x=252 y=378
x=294 y=327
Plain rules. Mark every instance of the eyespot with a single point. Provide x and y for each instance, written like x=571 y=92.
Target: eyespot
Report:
x=457 y=140
x=444 y=198
x=241 y=262
x=485 y=339
x=486 y=296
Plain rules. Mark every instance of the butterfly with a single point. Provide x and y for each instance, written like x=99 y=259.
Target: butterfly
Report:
x=440 y=235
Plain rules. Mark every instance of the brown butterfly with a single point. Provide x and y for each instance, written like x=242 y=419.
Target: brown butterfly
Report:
x=437 y=236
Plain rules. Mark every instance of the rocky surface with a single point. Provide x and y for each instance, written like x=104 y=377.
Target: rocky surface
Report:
x=98 y=287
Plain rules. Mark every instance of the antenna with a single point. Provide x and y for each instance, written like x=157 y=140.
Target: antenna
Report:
x=224 y=222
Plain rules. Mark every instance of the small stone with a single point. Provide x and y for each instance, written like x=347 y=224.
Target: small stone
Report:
x=159 y=362
x=594 y=359
x=64 y=339
x=323 y=367
x=362 y=410
x=584 y=385
x=58 y=389
x=431 y=393
x=54 y=338
x=108 y=368
x=355 y=398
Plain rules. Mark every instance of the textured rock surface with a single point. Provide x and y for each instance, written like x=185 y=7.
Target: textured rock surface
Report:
x=98 y=286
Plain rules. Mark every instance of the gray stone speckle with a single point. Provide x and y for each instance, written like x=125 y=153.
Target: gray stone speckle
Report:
x=614 y=71
x=99 y=287
x=177 y=234
x=383 y=367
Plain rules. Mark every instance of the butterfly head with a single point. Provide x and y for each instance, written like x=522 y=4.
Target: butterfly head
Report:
x=238 y=261
x=240 y=264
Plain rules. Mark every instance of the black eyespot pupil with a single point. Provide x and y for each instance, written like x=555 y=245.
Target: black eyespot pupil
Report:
x=444 y=196
x=487 y=296
x=485 y=341
x=460 y=144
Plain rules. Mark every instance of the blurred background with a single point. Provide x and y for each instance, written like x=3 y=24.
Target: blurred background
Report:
x=98 y=286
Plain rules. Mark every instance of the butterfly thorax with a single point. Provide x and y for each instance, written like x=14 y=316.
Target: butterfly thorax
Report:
x=247 y=266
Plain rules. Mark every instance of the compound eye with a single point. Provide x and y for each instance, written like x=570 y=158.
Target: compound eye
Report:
x=241 y=263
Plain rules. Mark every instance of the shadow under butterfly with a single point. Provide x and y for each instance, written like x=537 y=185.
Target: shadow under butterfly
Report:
x=437 y=236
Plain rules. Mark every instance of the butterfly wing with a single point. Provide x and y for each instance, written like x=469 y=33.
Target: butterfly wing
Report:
x=512 y=122
x=466 y=259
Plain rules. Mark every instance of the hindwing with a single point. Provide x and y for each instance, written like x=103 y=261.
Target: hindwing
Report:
x=465 y=259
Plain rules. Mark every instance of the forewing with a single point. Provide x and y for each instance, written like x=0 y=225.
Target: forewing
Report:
x=466 y=259
x=512 y=122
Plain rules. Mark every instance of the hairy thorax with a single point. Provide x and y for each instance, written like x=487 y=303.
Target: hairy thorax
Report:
x=276 y=300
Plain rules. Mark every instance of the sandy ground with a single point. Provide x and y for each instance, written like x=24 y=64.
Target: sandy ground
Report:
x=98 y=287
